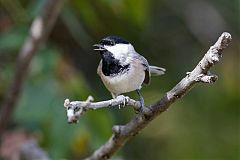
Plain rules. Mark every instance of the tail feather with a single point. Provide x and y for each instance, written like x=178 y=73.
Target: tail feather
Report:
x=156 y=71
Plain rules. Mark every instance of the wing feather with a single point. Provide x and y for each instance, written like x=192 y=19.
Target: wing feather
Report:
x=145 y=64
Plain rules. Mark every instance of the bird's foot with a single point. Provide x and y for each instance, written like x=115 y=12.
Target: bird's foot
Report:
x=121 y=106
x=123 y=101
x=140 y=109
x=142 y=105
x=141 y=100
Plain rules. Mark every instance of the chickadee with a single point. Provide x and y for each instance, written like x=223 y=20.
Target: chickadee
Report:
x=121 y=68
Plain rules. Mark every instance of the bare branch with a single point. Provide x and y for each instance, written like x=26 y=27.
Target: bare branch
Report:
x=39 y=31
x=77 y=108
x=199 y=74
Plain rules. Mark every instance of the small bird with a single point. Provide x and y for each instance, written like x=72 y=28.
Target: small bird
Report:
x=122 y=69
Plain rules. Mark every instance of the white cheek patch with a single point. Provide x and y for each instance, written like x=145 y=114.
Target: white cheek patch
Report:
x=118 y=50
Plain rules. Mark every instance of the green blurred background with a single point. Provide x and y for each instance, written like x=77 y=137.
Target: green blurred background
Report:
x=204 y=125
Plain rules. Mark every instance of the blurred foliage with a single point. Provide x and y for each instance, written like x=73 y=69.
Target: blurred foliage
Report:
x=172 y=34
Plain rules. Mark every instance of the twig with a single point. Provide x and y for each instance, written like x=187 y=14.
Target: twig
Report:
x=122 y=133
x=39 y=31
x=77 y=108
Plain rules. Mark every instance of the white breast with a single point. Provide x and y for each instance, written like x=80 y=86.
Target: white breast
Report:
x=126 y=82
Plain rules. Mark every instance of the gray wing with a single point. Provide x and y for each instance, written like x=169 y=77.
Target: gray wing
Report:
x=146 y=68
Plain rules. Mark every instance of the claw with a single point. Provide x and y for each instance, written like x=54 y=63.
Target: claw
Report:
x=123 y=100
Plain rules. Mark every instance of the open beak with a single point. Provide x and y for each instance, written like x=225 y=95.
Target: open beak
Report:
x=98 y=47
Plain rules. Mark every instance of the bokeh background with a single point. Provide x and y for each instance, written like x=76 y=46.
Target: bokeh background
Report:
x=169 y=33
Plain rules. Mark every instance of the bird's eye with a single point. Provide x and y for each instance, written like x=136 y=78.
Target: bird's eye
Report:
x=107 y=43
x=111 y=43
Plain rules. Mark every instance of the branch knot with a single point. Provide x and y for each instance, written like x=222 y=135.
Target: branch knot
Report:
x=209 y=78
